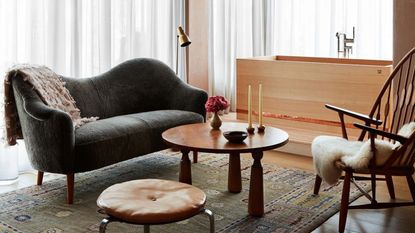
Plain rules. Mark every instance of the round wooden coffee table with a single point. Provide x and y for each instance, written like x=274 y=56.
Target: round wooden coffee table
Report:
x=200 y=137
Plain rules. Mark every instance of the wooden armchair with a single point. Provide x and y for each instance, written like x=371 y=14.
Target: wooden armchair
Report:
x=393 y=108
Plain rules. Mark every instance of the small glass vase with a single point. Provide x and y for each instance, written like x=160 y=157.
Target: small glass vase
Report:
x=9 y=172
x=215 y=121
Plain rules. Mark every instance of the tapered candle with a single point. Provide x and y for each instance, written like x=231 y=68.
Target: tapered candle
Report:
x=260 y=105
x=249 y=107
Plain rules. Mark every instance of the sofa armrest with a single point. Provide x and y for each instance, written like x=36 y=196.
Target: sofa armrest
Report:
x=188 y=98
x=48 y=133
x=38 y=110
x=50 y=138
x=34 y=106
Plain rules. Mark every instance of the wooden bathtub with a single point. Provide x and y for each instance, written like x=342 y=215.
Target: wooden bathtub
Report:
x=296 y=89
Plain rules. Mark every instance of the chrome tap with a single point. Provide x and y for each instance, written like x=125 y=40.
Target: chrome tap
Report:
x=344 y=44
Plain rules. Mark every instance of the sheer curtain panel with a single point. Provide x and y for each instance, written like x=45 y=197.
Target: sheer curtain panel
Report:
x=81 y=38
x=246 y=28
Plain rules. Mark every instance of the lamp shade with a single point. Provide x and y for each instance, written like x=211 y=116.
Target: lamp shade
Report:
x=184 y=39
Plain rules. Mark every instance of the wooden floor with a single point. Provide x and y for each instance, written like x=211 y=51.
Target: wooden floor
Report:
x=372 y=221
x=394 y=220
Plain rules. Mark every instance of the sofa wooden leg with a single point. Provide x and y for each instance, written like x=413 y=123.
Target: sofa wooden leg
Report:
x=70 y=180
x=39 y=178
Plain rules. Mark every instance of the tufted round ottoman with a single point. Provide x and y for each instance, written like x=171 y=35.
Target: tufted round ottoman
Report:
x=152 y=201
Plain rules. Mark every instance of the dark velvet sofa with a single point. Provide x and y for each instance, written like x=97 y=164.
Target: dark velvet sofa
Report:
x=135 y=102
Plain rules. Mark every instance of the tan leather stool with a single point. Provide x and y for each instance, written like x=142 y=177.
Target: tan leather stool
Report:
x=151 y=202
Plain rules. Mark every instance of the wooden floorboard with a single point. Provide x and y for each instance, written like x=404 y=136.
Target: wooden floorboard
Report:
x=372 y=221
x=384 y=220
x=395 y=220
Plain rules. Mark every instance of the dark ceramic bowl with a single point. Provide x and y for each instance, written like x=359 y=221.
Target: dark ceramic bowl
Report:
x=235 y=136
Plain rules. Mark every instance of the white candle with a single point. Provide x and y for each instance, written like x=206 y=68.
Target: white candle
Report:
x=249 y=107
x=260 y=105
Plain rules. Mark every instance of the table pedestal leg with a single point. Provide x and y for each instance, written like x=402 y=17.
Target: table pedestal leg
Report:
x=185 y=174
x=256 y=187
x=234 y=173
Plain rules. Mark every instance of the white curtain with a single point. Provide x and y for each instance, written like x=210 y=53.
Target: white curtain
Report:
x=81 y=38
x=246 y=28
x=85 y=37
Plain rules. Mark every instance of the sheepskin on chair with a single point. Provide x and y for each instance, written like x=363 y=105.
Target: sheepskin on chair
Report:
x=326 y=150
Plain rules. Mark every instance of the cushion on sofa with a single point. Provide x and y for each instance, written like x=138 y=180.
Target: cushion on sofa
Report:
x=160 y=121
x=111 y=140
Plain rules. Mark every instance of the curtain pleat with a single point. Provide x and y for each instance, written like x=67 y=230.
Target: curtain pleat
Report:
x=82 y=38
x=246 y=28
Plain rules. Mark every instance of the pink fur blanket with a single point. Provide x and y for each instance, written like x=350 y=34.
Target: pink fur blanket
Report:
x=51 y=89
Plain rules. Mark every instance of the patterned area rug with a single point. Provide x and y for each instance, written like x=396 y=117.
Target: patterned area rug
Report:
x=290 y=205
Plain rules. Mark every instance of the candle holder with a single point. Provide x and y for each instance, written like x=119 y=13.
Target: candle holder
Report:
x=261 y=129
x=250 y=130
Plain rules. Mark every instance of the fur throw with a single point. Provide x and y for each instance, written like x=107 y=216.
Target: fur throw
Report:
x=326 y=150
x=51 y=89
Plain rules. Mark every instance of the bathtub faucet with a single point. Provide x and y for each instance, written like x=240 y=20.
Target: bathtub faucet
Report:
x=344 y=44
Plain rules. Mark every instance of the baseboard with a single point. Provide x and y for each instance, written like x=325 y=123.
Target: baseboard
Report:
x=298 y=148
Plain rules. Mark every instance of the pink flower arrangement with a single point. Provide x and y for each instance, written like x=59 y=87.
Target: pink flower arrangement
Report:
x=216 y=103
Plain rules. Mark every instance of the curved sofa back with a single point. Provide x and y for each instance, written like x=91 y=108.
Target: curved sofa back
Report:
x=137 y=85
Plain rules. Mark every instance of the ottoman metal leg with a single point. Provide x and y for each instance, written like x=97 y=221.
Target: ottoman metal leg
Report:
x=211 y=219
x=104 y=224
x=146 y=228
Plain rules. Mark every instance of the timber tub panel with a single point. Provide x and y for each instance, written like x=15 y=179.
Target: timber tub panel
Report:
x=295 y=90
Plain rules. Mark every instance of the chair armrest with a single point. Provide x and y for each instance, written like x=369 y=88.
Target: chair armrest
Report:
x=392 y=136
x=188 y=98
x=356 y=115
